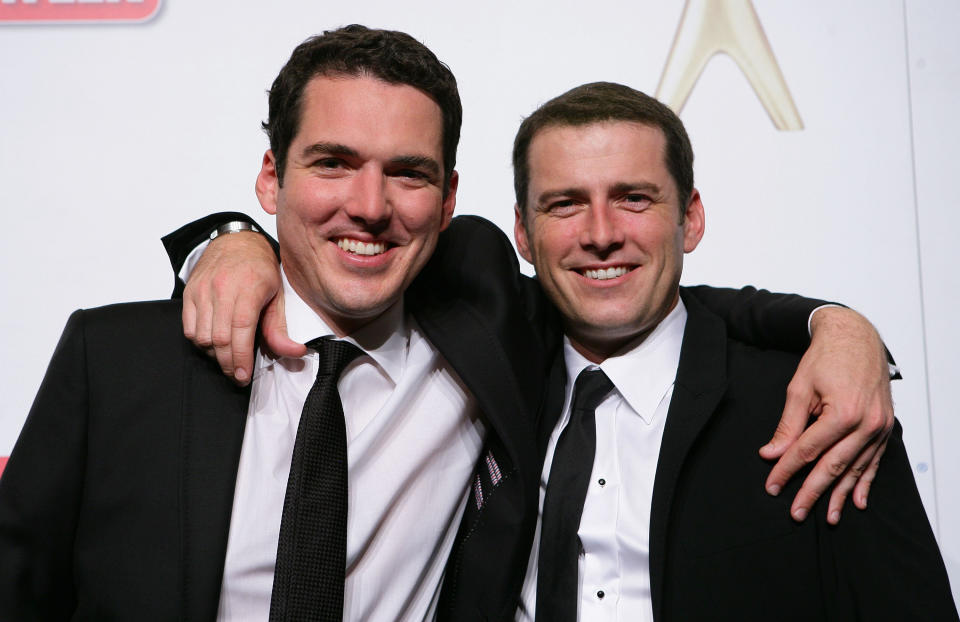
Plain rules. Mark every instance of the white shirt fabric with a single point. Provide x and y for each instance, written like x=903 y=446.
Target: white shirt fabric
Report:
x=615 y=525
x=413 y=439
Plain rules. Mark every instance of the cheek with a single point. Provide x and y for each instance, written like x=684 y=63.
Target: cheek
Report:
x=422 y=216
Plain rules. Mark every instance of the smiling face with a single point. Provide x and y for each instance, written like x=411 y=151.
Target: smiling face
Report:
x=362 y=200
x=605 y=230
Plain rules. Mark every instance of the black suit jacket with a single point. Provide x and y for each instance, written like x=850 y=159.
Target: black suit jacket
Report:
x=116 y=501
x=722 y=549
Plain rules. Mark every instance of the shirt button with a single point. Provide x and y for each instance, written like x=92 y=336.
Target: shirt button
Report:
x=602 y=482
x=600 y=594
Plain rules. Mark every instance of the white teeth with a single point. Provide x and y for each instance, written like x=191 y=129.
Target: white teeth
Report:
x=605 y=273
x=361 y=248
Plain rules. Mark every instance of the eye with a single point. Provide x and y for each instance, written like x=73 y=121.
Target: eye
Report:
x=411 y=177
x=636 y=201
x=410 y=173
x=329 y=163
x=561 y=208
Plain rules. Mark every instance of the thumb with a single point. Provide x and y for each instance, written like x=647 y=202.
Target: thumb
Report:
x=274 y=328
x=793 y=421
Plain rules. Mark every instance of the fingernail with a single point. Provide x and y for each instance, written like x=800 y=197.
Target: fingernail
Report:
x=773 y=489
x=241 y=374
x=767 y=447
x=834 y=517
x=799 y=514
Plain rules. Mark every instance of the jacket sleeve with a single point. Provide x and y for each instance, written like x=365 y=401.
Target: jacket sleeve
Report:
x=181 y=242
x=760 y=318
x=40 y=490
x=764 y=319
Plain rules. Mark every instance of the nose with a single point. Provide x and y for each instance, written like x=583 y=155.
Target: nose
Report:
x=600 y=232
x=370 y=203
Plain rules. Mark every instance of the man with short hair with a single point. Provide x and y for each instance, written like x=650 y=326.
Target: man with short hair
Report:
x=169 y=491
x=661 y=409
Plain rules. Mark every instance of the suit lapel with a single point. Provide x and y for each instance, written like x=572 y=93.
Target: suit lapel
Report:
x=487 y=370
x=699 y=386
x=212 y=425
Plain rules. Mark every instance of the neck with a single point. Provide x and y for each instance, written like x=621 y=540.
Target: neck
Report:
x=598 y=343
x=340 y=325
x=598 y=350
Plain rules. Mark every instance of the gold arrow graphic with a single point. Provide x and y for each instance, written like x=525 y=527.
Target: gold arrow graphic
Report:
x=708 y=27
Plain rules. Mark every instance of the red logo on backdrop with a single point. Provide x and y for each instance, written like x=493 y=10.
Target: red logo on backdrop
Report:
x=76 y=11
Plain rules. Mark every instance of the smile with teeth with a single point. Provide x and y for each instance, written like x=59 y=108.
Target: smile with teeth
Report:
x=358 y=247
x=605 y=273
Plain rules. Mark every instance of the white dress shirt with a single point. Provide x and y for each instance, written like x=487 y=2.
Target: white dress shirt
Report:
x=614 y=528
x=413 y=439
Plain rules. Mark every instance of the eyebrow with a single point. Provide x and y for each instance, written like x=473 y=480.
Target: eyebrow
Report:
x=620 y=188
x=317 y=149
x=413 y=161
x=639 y=186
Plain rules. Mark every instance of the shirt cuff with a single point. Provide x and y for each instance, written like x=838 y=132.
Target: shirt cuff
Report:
x=191 y=262
x=809 y=318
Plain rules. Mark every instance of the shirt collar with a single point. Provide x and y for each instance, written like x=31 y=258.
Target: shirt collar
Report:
x=644 y=370
x=385 y=339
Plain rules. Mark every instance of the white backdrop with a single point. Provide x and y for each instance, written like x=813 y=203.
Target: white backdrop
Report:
x=113 y=134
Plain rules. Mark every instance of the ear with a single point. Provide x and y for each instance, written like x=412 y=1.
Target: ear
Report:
x=268 y=184
x=520 y=235
x=450 y=202
x=693 y=222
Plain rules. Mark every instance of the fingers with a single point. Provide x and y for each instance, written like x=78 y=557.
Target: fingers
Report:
x=847 y=483
x=243 y=333
x=234 y=278
x=833 y=466
x=189 y=317
x=862 y=489
x=801 y=401
x=203 y=336
x=815 y=440
x=221 y=332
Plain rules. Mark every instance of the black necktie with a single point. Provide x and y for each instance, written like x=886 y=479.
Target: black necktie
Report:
x=312 y=552
x=557 y=570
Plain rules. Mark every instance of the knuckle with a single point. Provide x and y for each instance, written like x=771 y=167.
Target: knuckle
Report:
x=221 y=282
x=204 y=341
x=877 y=422
x=836 y=468
x=242 y=318
x=847 y=418
x=220 y=339
x=807 y=453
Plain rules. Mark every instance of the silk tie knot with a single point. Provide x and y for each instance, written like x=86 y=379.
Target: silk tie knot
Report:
x=335 y=355
x=591 y=388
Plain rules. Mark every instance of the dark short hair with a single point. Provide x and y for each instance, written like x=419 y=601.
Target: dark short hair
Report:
x=355 y=50
x=595 y=103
